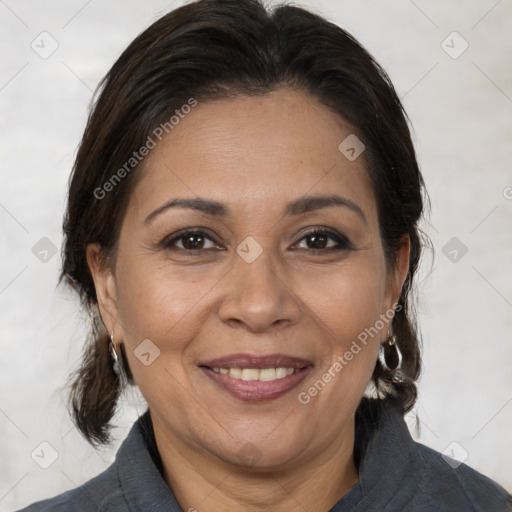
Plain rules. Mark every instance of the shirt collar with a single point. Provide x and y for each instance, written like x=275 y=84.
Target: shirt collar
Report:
x=140 y=475
x=383 y=451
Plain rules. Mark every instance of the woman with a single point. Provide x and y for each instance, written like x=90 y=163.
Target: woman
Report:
x=242 y=224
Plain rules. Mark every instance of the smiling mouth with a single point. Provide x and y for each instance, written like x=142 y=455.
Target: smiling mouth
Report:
x=256 y=379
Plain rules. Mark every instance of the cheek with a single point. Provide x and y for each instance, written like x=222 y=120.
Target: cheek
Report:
x=348 y=300
x=157 y=297
x=348 y=307
x=157 y=305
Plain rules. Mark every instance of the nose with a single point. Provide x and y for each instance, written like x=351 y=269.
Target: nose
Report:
x=259 y=295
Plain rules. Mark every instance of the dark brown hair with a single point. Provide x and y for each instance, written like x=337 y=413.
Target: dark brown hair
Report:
x=209 y=50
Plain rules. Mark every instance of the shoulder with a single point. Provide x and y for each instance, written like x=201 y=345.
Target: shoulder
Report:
x=408 y=475
x=446 y=482
x=99 y=494
x=131 y=482
x=104 y=492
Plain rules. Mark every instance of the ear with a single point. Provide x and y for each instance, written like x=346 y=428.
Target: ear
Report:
x=105 y=285
x=399 y=272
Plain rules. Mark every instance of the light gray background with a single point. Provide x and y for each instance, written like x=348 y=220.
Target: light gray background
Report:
x=461 y=112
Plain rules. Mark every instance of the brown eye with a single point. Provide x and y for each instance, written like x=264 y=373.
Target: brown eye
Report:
x=189 y=240
x=193 y=241
x=317 y=241
x=324 y=241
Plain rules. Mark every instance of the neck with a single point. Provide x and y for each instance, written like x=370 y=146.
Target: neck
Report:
x=201 y=481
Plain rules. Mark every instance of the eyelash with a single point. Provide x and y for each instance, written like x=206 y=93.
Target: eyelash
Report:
x=343 y=242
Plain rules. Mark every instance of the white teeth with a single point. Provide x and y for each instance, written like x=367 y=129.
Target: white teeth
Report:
x=248 y=374
x=267 y=374
x=280 y=373
x=236 y=373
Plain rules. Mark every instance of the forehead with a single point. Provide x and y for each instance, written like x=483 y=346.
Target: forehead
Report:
x=256 y=152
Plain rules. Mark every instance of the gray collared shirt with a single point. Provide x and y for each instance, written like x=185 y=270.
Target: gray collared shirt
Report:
x=396 y=474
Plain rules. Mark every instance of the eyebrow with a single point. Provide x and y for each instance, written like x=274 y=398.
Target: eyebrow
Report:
x=297 y=207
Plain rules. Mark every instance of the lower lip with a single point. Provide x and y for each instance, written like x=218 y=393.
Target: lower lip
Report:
x=256 y=390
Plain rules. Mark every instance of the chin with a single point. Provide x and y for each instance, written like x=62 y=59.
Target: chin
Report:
x=263 y=454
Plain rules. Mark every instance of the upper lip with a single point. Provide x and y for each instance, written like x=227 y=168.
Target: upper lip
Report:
x=260 y=362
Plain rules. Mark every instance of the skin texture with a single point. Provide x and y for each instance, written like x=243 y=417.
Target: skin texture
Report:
x=254 y=155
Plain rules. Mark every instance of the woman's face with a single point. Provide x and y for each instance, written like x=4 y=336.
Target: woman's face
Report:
x=245 y=334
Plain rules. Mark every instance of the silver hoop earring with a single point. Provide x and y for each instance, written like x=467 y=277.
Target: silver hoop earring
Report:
x=116 y=361
x=390 y=358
